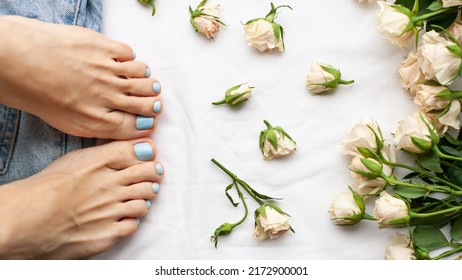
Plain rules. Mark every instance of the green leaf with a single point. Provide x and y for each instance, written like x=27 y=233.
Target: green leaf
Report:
x=444 y=20
x=411 y=193
x=451 y=139
x=435 y=6
x=235 y=204
x=429 y=237
x=451 y=151
x=277 y=31
x=456 y=229
x=454 y=173
x=430 y=161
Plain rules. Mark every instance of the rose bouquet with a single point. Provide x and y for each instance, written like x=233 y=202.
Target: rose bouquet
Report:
x=424 y=196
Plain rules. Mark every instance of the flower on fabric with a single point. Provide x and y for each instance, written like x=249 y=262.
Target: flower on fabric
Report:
x=415 y=134
x=264 y=34
x=390 y=211
x=366 y=181
x=323 y=78
x=439 y=58
x=409 y=73
x=394 y=24
x=236 y=95
x=400 y=248
x=205 y=19
x=270 y=222
x=275 y=142
x=427 y=99
x=347 y=208
x=451 y=3
x=151 y=3
x=362 y=134
x=450 y=117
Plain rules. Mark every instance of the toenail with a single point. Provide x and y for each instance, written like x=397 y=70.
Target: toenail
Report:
x=137 y=221
x=147 y=73
x=159 y=169
x=143 y=151
x=157 y=107
x=148 y=204
x=155 y=188
x=156 y=87
x=133 y=55
x=143 y=123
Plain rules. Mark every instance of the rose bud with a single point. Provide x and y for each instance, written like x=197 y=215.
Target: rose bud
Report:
x=366 y=181
x=390 y=211
x=324 y=78
x=347 y=209
x=415 y=134
x=205 y=19
x=275 y=142
x=394 y=24
x=264 y=34
x=409 y=73
x=452 y=3
x=439 y=58
x=400 y=248
x=270 y=222
x=224 y=229
x=236 y=95
x=151 y=3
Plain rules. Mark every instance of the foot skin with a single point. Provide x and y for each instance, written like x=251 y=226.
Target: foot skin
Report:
x=76 y=80
x=80 y=205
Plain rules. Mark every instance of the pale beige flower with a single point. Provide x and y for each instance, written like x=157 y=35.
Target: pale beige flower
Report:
x=409 y=73
x=390 y=211
x=436 y=61
x=205 y=19
x=345 y=210
x=425 y=97
x=273 y=224
x=451 y=118
x=260 y=35
x=285 y=146
x=416 y=127
x=363 y=185
x=393 y=25
x=400 y=248
x=456 y=29
x=452 y=3
x=362 y=134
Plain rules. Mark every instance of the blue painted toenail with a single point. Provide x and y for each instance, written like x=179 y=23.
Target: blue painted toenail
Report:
x=155 y=188
x=148 y=73
x=159 y=169
x=143 y=151
x=133 y=55
x=157 y=106
x=143 y=123
x=156 y=87
x=148 y=204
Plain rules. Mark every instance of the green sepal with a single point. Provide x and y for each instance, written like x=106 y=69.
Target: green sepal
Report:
x=444 y=94
x=422 y=144
x=284 y=133
x=271 y=137
x=375 y=168
x=277 y=31
x=224 y=229
x=151 y=3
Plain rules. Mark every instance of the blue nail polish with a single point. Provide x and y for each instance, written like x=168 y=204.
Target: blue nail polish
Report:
x=143 y=151
x=156 y=87
x=155 y=188
x=159 y=169
x=148 y=73
x=137 y=221
x=148 y=204
x=143 y=123
x=157 y=106
x=133 y=55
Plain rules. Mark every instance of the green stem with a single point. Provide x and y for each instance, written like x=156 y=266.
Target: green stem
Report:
x=246 y=188
x=442 y=155
x=219 y=102
x=422 y=172
x=432 y=14
x=448 y=253
x=433 y=214
x=245 y=207
x=440 y=189
x=368 y=217
x=231 y=174
x=343 y=82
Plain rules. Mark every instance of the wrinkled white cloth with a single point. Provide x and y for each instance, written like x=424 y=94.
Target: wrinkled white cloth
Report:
x=195 y=71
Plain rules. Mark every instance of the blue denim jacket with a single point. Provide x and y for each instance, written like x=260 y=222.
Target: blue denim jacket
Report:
x=27 y=144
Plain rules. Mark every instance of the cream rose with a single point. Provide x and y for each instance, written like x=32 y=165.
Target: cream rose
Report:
x=205 y=19
x=400 y=248
x=409 y=73
x=413 y=134
x=394 y=25
x=236 y=95
x=260 y=35
x=435 y=59
x=363 y=185
x=451 y=3
x=275 y=142
x=390 y=211
x=451 y=118
x=362 y=134
x=323 y=78
x=425 y=97
x=270 y=223
x=345 y=210
x=456 y=29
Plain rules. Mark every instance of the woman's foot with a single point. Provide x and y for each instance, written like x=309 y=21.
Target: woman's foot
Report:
x=76 y=80
x=80 y=205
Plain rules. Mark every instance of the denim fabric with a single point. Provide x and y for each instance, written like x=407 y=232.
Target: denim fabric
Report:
x=27 y=144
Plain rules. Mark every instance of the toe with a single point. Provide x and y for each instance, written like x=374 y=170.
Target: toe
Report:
x=133 y=209
x=123 y=125
x=121 y=52
x=126 y=227
x=144 y=190
x=144 y=106
x=150 y=171
x=132 y=69
x=141 y=87
x=126 y=154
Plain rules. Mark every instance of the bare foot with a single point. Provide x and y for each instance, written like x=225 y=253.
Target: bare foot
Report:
x=80 y=205
x=76 y=80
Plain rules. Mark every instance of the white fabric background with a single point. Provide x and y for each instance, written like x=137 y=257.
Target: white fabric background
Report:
x=195 y=71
